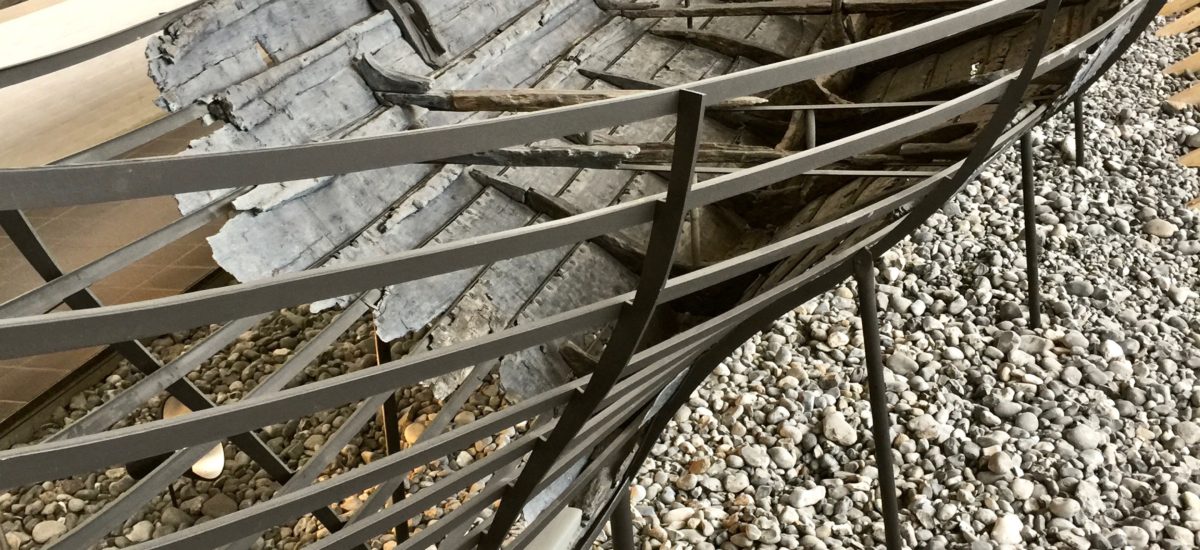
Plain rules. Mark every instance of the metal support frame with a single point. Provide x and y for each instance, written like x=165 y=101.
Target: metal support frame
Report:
x=631 y=326
x=881 y=430
x=1080 y=146
x=810 y=129
x=630 y=311
x=25 y=238
x=1032 y=245
x=389 y=416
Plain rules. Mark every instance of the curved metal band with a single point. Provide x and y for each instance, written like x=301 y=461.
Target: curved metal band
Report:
x=76 y=184
x=15 y=74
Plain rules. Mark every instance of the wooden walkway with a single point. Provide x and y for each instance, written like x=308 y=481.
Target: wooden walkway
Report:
x=48 y=118
x=1187 y=20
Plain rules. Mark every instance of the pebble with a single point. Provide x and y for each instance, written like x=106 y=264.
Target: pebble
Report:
x=46 y=530
x=1160 y=228
x=837 y=430
x=1007 y=530
x=142 y=531
x=412 y=432
x=755 y=456
x=219 y=505
x=1084 y=437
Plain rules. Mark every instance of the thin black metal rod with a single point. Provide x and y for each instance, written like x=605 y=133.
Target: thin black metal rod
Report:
x=1080 y=144
x=1032 y=245
x=864 y=274
x=621 y=524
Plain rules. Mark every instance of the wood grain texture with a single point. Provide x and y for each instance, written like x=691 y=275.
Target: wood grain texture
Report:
x=62 y=113
x=1181 y=25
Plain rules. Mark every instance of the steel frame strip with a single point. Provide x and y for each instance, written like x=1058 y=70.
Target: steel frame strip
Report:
x=74 y=184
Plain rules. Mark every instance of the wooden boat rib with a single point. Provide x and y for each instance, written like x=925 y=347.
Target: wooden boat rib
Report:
x=593 y=202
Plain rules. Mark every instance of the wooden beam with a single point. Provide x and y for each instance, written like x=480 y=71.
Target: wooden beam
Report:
x=762 y=123
x=613 y=156
x=617 y=246
x=721 y=43
x=383 y=79
x=577 y=156
x=523 y=100
x=793 y=7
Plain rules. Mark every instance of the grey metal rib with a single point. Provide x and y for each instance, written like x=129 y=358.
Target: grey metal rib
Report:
x=34 y=68
x=61 y=185
x=45 y=297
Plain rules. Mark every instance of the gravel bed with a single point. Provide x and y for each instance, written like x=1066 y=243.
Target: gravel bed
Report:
x=1081 y=435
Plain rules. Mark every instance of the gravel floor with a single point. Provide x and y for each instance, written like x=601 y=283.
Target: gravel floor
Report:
x=1081 y=435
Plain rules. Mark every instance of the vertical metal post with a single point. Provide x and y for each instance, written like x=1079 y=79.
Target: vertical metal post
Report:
x=864 y=274
x=1080 y=149
x=621 y=524
x=1031 y=238
x=688 y=4
x=810 y=129
x=390 y=418
x=631 y=326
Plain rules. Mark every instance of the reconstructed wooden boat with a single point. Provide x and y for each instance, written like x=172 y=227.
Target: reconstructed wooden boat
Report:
x=594 y=201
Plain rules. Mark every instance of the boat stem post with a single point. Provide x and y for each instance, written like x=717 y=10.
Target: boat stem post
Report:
x=1080 y=149
x=621 y=524
x=864 y=274
x=810 y=129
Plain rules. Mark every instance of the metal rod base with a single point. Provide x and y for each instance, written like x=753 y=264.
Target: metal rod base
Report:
x=621 y=523
x=1032 y=248
x=864 y=274
x=1080 y=149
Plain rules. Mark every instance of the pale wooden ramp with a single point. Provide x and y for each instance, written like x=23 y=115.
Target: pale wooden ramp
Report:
x=1190 y=97
x=52 y=26
x=50 y=117
x=64 y=112
x=1177 y=6
x=1191 y=160
x=24 y=8
x=1190 y=63
x=81 y=106
x=1181 y=25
